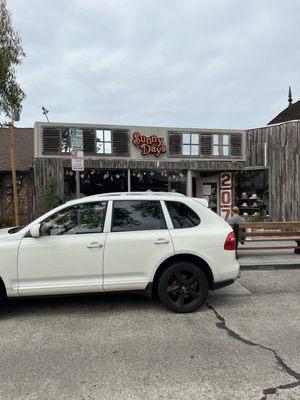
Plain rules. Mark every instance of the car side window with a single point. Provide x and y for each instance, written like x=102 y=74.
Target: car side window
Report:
x=78 y=219
x=137 y=215
x=181 y=215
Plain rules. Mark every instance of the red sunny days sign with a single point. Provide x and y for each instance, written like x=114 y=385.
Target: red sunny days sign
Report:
x=149 y=144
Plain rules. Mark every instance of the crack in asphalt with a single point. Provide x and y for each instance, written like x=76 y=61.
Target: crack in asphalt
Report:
x=222 y=325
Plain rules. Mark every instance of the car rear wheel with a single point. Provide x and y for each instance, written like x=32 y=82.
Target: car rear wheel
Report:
x=183 y=287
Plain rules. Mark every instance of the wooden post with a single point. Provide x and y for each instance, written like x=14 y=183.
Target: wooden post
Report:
x=13 y=171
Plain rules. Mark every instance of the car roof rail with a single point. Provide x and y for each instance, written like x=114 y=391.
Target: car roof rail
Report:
x=147 y=193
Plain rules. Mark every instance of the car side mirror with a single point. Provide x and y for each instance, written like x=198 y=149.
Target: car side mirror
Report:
x=35 y=231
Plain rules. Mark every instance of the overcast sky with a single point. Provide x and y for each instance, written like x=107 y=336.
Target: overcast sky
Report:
x=185 y=63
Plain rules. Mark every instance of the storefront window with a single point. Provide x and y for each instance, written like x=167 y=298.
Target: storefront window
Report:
x=103 y=141
x=96 y=181
x=252 y=194
x=158 y=181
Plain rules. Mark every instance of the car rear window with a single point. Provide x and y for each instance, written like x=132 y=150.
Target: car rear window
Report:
x=181 y=215
x=136 y=215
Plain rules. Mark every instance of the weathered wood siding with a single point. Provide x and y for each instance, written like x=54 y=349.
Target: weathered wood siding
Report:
x=46 y=169
x=282 y=160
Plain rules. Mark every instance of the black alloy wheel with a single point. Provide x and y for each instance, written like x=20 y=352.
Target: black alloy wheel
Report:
x=183 y=287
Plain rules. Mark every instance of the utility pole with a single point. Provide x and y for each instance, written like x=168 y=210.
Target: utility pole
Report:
x=13 y=169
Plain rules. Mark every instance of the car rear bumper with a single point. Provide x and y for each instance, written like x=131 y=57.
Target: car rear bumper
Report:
x=219 y=285
x=227 y=282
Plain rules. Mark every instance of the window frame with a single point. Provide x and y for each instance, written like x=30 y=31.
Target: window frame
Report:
x=47 y=142
x=220 y=145
x=170 y=218
x=191 y=144
x=104 y=154
x=203 y=133
x=111 y=211
x=64 y=209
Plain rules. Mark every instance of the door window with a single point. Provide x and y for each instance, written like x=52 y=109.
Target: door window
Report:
x=78 y=219
x=181 y=215
x=134 y=215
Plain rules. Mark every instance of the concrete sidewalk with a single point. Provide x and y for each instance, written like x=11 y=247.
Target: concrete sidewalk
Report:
x=265 y=259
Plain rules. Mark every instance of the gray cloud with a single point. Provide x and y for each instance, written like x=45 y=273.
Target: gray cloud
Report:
x=197 y=63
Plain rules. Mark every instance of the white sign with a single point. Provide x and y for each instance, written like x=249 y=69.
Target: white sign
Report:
x=76 y=154
x=206 y=190
x=77 y=160
x=77 y=164
x=76 y=136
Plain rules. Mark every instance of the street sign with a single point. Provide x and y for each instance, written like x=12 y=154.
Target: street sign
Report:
x=77 y=160
x=76 y=136
x=77 y=164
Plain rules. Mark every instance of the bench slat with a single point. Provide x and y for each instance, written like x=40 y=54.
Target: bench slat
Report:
x=280 y=234
x=268 y=225
x=268 y=248
x=270 y=240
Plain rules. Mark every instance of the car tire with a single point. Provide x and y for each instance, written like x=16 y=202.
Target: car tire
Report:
x=183 y=287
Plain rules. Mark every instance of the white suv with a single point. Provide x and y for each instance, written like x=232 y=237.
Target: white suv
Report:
x=148 y=241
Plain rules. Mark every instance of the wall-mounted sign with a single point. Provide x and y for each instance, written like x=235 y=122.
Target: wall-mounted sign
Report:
x=149 y=144
x=226 y=194
x=226 y=180
x=225 y=212
x=226 y=198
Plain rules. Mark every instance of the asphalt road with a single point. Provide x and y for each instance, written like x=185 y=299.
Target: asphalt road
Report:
x=244 y=344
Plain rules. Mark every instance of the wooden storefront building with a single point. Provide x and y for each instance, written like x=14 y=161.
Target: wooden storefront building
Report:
x=196 y=162
x=256 y=169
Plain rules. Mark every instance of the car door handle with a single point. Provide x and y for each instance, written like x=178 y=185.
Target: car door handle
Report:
x=94 y=245
x=161 y=241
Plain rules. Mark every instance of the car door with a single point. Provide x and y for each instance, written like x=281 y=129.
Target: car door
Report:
x=67 y=256
x=136 y=245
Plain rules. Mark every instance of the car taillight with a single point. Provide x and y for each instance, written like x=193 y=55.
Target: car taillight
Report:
x=230 y=241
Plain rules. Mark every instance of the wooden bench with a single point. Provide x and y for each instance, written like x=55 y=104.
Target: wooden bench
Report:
x=275 y=232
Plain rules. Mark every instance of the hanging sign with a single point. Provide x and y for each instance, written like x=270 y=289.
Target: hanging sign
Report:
x=149 y=144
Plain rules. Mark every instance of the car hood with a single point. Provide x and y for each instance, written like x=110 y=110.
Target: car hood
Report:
x=4 y=231
x=9 y=231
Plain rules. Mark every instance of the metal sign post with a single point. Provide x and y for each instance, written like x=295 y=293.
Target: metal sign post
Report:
x=77 y=177
x=76 y=136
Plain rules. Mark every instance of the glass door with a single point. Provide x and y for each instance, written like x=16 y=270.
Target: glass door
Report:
x=209 y=190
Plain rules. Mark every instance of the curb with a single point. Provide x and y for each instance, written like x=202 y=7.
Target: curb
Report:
x=267 y=267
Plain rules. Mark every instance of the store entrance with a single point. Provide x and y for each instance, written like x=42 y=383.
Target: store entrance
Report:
x=209 y=189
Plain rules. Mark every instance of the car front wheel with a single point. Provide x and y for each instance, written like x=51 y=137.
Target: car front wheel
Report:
x=183 y=287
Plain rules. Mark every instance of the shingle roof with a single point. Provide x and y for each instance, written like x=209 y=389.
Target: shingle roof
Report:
x=24 y=149
x=290 y=113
